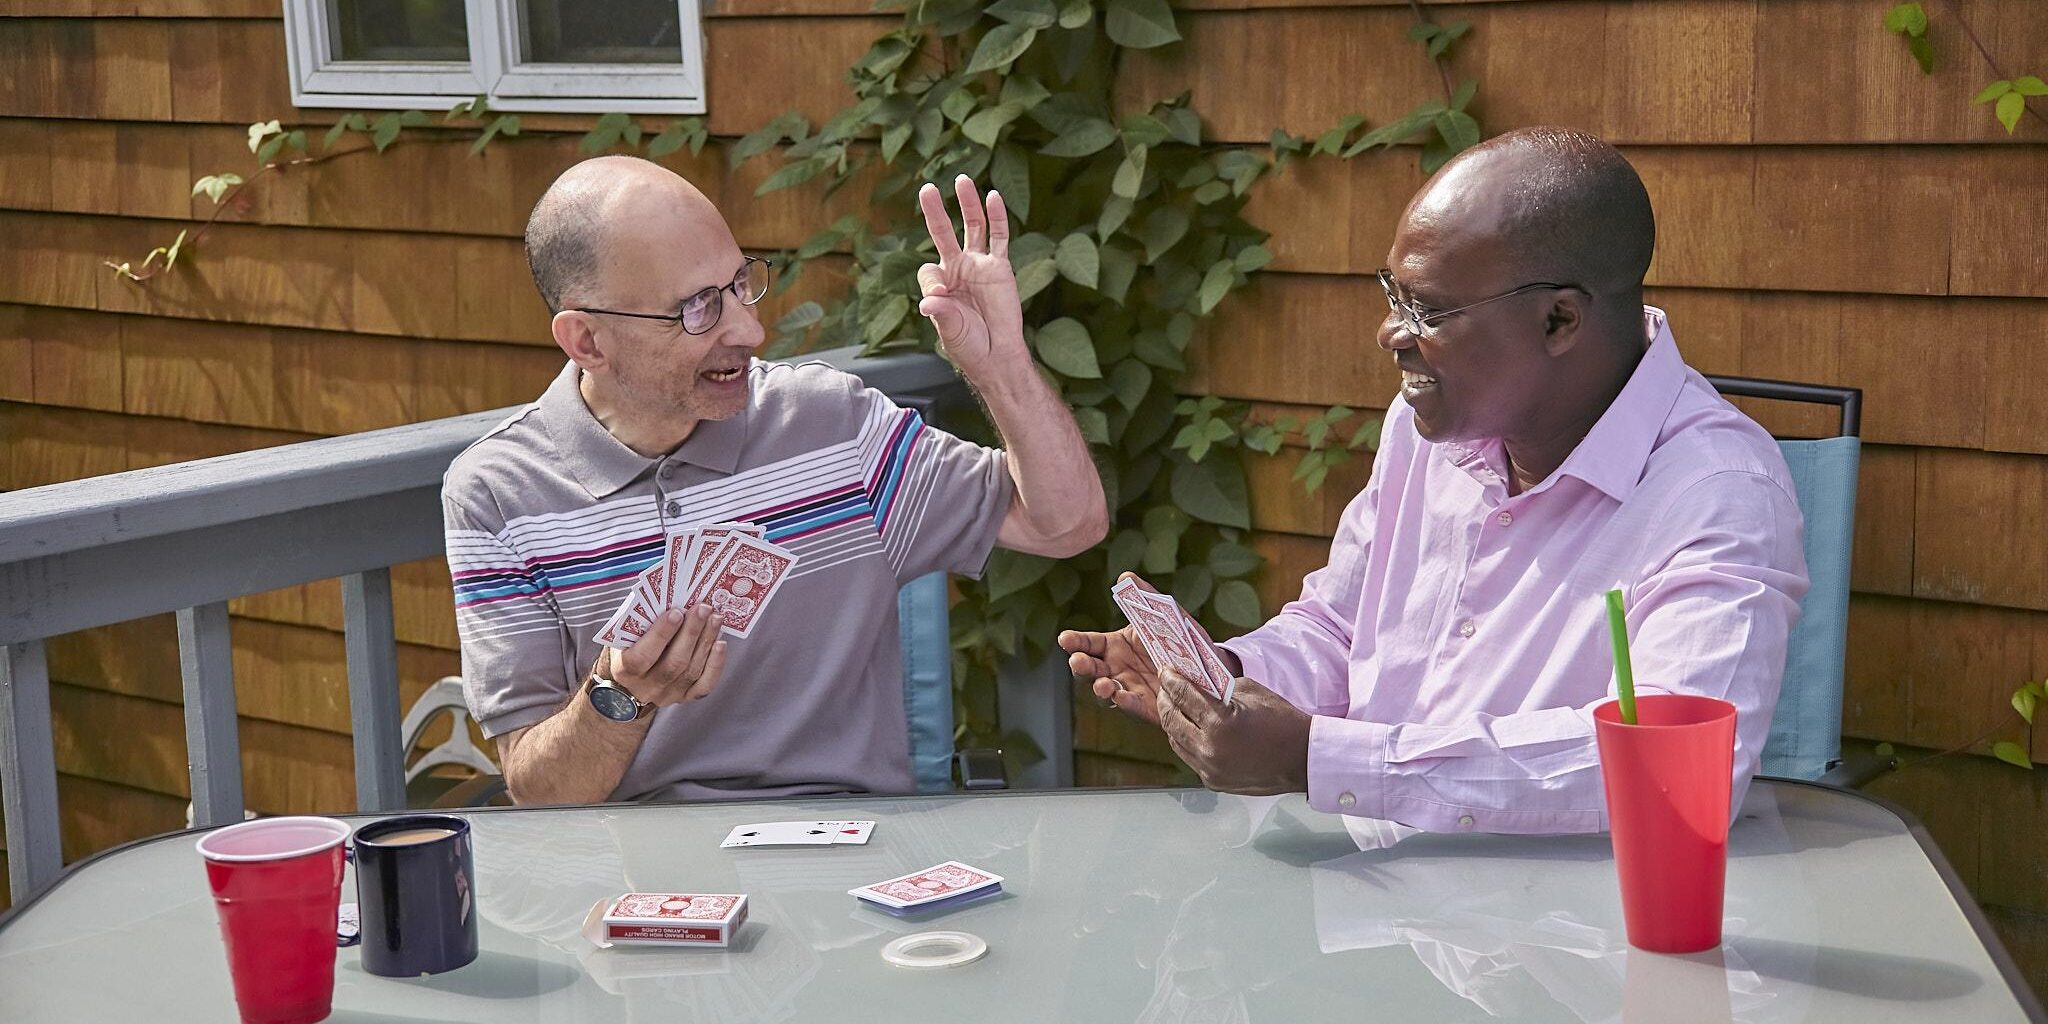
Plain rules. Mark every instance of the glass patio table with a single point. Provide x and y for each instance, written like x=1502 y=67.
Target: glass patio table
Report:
x=1118 y=905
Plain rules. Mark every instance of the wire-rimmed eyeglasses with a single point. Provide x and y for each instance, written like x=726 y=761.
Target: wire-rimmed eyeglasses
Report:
x=1420 y=321
x=700 y=312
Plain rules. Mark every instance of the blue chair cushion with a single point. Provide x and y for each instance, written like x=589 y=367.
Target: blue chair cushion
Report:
x=921 y=607
x=1806 y=729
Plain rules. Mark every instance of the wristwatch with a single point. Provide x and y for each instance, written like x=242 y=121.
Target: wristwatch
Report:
x=611 y=700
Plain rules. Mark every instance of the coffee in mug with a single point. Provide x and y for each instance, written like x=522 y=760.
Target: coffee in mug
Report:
x=410 y=836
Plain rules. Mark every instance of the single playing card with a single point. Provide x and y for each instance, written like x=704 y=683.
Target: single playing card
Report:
x=673 y=553
x=1160 y=634
x=705 y=550
x=855 y=832
x=1215 y=676
x=743 y=580
x=921 y=888
x=780 y=833
x=626 y=626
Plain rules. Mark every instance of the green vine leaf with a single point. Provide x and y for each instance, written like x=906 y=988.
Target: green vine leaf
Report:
x=1908 y=19
x=1012 y=571
x=1076 y=13
x=1002 y=45
x=1034 y=14
x=1923 y=53
x=2012 y=753
x=1085 y=138
x=2023 y=701
x=1229 y=559
x=2010 y=107
x=2030 y=85
x=1162 y=229
x=216 y=185
x=1130 y=175
x=1078 y=260
x=1065 y=346
x=1238 y=604
x=1991 y=92
x=1212 y=491
x=260 y=131
x=1141 y=24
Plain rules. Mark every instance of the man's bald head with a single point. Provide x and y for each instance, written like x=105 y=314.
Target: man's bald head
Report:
x=570 y=235
x=1562 y=205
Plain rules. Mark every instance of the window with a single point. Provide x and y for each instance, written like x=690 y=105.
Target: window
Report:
x=572 y=56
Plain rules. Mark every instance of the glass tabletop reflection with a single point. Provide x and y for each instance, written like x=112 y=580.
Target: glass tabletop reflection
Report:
x=1119 y=905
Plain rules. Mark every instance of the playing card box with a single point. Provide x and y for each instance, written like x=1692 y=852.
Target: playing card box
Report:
x=940 y=886
x=666 y=919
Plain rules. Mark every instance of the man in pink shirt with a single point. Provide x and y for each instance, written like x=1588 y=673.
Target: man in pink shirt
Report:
x=1548 y=443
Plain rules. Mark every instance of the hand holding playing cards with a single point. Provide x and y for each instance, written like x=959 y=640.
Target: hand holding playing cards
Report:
x=679 y=659
x=1118 y=662
x=1257 y=745
x=971 y=293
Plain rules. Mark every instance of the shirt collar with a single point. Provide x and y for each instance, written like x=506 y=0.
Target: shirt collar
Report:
x=1614 y=452
x=603 y=464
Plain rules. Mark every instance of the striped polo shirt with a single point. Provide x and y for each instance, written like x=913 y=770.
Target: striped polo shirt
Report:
x=550 y=519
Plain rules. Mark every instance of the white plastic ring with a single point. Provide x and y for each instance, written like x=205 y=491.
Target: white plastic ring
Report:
x=934 y=949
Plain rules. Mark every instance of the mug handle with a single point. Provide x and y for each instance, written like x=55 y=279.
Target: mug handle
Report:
x=348 y=925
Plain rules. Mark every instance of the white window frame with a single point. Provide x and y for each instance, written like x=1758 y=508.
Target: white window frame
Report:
x=494 y=71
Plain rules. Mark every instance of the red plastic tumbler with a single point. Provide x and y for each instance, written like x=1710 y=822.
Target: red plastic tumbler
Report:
x=277 y=887
x=1668 y=779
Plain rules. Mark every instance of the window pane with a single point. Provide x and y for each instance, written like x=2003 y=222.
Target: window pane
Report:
x=399 y=30
x=600 y=32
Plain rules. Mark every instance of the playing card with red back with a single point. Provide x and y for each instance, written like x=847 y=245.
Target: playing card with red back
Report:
x=703 y=552
x=665 y=575
x=739 y=585
x=1214 y=675
x=1159 y=634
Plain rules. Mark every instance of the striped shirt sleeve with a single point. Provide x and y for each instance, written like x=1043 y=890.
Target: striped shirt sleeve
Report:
x=516 y=652
x=938 y=500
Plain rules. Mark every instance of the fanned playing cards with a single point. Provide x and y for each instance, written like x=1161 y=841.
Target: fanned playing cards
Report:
x=1173 y=640
x=729 y=566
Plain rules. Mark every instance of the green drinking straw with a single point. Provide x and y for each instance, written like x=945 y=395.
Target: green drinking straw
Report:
x=1624 y=680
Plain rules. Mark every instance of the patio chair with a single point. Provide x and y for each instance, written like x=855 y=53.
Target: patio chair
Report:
x=1806 y=729
x=922 y=605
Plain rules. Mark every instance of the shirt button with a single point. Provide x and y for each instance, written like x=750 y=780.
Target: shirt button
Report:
x=1346 y=801
x=675 y=508
x=1464 y=821
x=667 y=471
x=1467 y=628
x=1505 y=519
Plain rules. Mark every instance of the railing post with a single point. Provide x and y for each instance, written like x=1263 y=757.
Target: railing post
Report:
x=373 y=690
x=28 y=771
x=213 y=751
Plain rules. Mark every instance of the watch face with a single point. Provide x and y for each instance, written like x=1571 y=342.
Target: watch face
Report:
x=614 y=703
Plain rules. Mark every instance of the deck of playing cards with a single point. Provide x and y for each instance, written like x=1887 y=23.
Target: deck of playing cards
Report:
x=799 y=833
x=941 y=885
x=666 y=919
x=1173 y=640
x=726 y=565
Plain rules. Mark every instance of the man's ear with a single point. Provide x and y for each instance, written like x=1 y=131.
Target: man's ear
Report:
x=1562 y=321
x=575 y=333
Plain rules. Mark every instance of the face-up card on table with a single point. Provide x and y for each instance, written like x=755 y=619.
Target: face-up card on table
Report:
x=853 y=832
x=922 y=889
x=781 y=833
x=739 y=585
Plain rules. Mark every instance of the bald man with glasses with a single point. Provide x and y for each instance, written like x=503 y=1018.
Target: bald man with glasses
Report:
x=663 y=420
x=1548 y=443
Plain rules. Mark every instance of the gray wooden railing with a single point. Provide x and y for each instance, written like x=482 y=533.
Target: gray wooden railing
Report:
x=187 y=538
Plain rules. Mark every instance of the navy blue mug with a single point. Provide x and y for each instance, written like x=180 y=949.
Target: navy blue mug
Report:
x=415 y=885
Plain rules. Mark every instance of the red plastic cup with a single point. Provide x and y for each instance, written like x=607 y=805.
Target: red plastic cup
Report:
x=1668 y=779
x=277 y=888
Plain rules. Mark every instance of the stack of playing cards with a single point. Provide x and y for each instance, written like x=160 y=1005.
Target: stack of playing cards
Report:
x=667 y=919
x=799 y=833
x=1173 y=640
x=942 y=885
x=725 y=565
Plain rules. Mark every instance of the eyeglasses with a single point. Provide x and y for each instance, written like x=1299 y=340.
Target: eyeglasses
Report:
x=700 y=312
x=1423 y=323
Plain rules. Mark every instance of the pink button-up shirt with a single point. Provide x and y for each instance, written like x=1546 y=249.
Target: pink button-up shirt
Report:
x=1454 y=647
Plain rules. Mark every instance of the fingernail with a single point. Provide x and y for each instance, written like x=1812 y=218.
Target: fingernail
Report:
x=672 y=615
